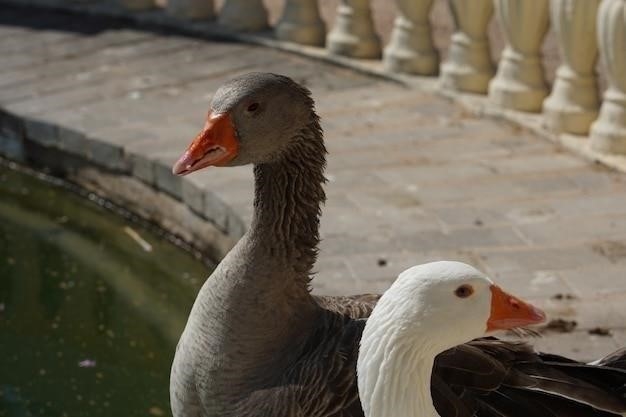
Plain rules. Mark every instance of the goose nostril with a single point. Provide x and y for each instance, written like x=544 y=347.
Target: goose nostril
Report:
x=514 y=303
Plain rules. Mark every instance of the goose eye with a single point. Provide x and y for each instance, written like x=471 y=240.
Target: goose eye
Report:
x=253 y=107
x=464 y=291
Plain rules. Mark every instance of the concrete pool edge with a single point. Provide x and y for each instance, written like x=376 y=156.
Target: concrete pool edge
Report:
x=144 y=186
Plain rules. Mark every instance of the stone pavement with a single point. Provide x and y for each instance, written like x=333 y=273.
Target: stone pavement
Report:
x=412 y=177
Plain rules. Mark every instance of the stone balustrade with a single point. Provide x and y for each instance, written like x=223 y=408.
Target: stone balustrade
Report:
x=469 y=67
x=573 y=103
x=519 y=83
x=584 y=30
x=608 y=132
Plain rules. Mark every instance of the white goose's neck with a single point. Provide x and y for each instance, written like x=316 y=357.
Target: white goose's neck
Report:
x=394 y=375
x=414 y=321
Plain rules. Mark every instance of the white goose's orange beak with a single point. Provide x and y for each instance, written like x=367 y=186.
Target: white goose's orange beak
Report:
x=508 y=312
x=215 y=145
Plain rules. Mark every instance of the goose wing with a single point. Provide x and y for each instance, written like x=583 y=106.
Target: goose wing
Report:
x=324 y=377
x=493 y=378
x=321 y=381
x=354 y=306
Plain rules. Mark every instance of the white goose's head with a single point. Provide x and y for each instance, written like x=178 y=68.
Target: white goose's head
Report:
x=428 y=309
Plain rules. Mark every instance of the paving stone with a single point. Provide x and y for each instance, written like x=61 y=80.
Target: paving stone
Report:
x=140 y=73
x=597 y=310
x=509 y=188
x=77 y=46
x=469 y=216
x=335 y=279
x=469 y=238
x=539 y=208
x=598 y=279
x=619 y=335
x=69 y=98
x=382 y=223
x=375 y=271
x=595 y=204
x=576 y=345
x=558 y=257
x=573 y=229
x=368 y=96
x=433 y=173
x=535 y=284
x=525 y=163
x=21 y=41
x=83 y=67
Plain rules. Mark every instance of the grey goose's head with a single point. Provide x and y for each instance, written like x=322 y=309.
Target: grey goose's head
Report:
x=252 y=119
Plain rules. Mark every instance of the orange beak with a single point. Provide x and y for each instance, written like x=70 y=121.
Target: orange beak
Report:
x=216 y=145
x=508 y=312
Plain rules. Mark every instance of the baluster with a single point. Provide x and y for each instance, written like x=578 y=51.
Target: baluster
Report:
x=354 y=34
x=301 y=23
x=608 y=133
x=519 y=83
x=411 y=47
x=243 y=15
x=573 y=104
x=469 y=67
x=137 y=5
x=191 y=9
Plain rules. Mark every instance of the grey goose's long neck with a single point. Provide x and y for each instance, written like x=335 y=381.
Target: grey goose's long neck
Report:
x=287 y=203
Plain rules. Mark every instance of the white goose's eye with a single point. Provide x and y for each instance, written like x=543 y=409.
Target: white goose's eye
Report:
x=464 y=291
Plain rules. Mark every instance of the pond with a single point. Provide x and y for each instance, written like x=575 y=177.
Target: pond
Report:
x=91 y=305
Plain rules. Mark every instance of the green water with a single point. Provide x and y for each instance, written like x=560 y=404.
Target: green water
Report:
x=89 y=313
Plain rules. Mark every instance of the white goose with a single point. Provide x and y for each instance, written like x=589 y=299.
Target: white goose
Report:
x=429 y=314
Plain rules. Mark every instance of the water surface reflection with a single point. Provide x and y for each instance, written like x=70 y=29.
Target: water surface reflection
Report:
x=91 y=307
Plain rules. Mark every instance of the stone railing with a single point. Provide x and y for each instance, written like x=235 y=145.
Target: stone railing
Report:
x=584 y=29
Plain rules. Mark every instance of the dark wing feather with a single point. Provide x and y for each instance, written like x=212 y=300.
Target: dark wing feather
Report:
x=493 y=378
x=325 y=375
x=354 y=306
x=467 y=366
x=321 y=381
x=550 y=405
x=615 y=360
x=449 y=403
x=551 y=378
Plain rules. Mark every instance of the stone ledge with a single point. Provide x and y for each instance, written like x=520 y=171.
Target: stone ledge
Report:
x=197 y=215
x=476 y=104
